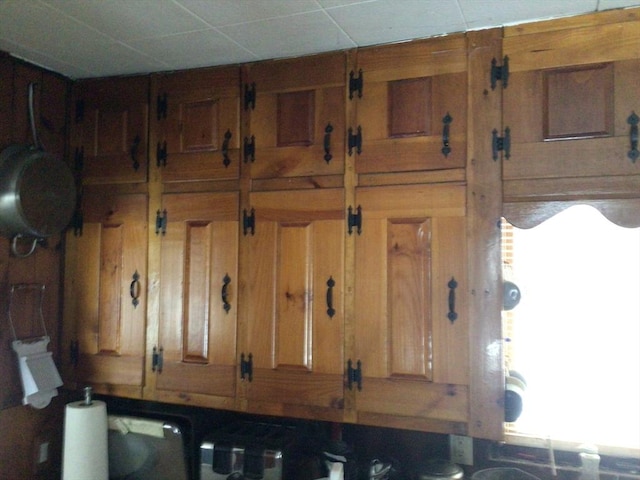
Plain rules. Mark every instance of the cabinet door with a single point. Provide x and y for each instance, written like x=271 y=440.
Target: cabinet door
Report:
x=298 y=122
x=569 y=102
x=293 y=303
x=198 y=298
x=411 y=322
x=105 y=291
x=413 y=106
x=109 y=129
x=198 y=119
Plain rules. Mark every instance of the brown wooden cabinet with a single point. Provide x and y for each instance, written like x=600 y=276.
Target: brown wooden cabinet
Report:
x=109 y=124
x=290 y=310
x=292 y=304
x=197 y=122
x=198 y=299
x=297 y=118
x=105 y=292
x=570 y=102
x=411 y=106
x=411 y=322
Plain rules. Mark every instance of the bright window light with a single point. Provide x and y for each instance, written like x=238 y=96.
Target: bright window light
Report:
x=575 y=336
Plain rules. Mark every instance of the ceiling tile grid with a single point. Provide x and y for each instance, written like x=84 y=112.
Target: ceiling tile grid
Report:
x=95 y=38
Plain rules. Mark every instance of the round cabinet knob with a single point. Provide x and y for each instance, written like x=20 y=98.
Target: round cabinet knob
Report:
x=510 y=296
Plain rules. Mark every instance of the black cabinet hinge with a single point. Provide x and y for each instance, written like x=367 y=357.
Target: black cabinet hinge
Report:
x=157 y=360
x=79 y=111
x=78 y=160
x=249 y=149
x=249 y=221
x=354 y=220
x=355 y=84
x=250 y=96
x=355 y=140
x=246 y=367
x=501 y=144
x=162 y=106
x=74 y=352
x=161 y=222
x=500 y=72
x=161 y=154
x=77 y=220
x=354 y=375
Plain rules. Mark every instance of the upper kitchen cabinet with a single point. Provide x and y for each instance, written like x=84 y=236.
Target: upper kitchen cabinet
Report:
x=196 y=124
x=105 y=292
x=195 y=355
x=292 y=312
x=411 y=102
x=411 y=364
x=297 y=119
x=108 y=140
x=571 y=105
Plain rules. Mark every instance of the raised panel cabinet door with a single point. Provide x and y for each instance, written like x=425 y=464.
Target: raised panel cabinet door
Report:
x=297 y=118
x=412 y=106
x=199 y=297
x=197 y=117
x=109 y=127
x=411 y=326
x=570 y=103
x=293 y=309
x=105 y=292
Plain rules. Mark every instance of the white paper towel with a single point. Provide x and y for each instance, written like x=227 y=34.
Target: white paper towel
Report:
x=337 y=471
x=85 y=455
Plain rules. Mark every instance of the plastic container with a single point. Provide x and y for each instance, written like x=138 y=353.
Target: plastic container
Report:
x=503 y=473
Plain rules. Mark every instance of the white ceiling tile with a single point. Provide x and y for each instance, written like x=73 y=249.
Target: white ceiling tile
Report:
x=610 y=4
x=43 y=29
x=232 y=12
x=490 y=13
x=191 y=50
x=383 y=21
x=290 y=36
x=341 y=3
x=100 y=61
x=128 y=19
x=50 y=63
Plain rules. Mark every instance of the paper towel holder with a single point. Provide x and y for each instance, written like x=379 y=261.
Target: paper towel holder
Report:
x=38 y=373
x=88 y=392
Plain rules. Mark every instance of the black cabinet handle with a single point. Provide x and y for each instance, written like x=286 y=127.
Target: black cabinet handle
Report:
x=226 y=161
x=225 y=285
x=446 y=147
x=452 y=315
x=134 y=153
x=633 y=136
x=330 y=310
x=327 y=143
x=134 y=289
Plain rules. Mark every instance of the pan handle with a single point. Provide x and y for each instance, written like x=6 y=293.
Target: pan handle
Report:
x=14 y=247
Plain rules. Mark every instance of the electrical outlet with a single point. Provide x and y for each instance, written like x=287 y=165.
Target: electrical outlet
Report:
x=461 y=449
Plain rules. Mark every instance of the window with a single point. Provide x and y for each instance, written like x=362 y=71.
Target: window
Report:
x=575 y=335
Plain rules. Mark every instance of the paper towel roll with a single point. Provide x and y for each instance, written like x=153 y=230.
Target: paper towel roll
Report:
x=85 y=455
